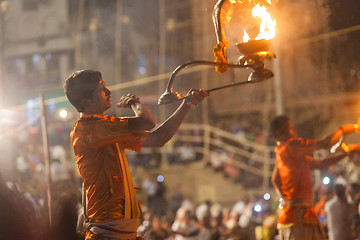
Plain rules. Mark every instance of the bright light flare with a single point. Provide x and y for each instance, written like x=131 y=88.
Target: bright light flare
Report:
x=7 y=117
x=257 y=207
x=267 y=196
x=63 y=113
x=160 y=178
x=326 y=180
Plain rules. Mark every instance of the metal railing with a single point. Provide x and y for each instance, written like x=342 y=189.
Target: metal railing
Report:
x=248 y=156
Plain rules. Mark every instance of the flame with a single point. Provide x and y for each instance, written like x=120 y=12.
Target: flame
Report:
x=267 y=25
x=352 y=147
x=246 y=37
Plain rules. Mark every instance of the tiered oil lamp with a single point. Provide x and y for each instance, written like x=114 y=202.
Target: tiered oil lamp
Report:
x=253 y=51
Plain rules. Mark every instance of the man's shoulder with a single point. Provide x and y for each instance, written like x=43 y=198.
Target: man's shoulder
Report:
x=293 y=142
x=98 y=117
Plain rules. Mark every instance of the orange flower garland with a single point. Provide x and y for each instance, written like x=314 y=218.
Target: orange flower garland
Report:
x=220 y=56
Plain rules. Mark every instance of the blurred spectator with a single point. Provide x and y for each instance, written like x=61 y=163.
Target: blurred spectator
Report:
x=203 y=210
x=217 y=159
x=269 y=223
x=230 y=168
x=338 y=212
x=172 y=153
x=184 y=226
x=319 y=208
x=216 y=210
x=240 y=205
x=22 y=167
x=354 y=195
x=189 y=205
x=16 y=215
x=233 y=230
x=150 y=187
x=176 y=199
x=166 y=225
x=217 y=228
x=246 y=222
x=204 y=228
x=156 y=232
x=187 y=153
x=60 y=167
x=144 y=224
x=160 y=202
x=65 y=218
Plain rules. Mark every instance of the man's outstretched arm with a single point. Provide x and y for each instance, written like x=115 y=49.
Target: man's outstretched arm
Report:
x=328 y=161
x=163 y=133
x=342 y=131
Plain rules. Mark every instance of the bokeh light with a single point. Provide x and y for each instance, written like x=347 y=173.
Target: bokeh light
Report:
x=160 y=178
x=257 y=207
x=267 y=196
x=326 y=180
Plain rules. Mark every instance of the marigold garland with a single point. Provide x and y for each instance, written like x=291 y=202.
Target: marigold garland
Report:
x=219 y=53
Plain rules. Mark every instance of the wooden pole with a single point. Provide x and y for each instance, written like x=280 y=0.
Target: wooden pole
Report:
x=46 y=155
x=78 y=36
x=161 y=69
x=118 y=41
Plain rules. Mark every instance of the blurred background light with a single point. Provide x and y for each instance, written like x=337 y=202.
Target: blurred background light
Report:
x=63 y=113
x=160 y=178
x=326 y=180
x=267 y=196
x=257 y=207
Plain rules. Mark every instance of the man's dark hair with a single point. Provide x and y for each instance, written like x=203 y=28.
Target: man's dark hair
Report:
x=340 y=191
x=81 y=84
x=279 y=123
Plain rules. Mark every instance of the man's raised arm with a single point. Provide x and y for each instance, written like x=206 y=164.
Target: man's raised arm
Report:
x=163 y=133
x=143 y=119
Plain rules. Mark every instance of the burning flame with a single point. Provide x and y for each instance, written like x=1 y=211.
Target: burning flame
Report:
x=246 y=37
x=352 y=147
x=267 y=25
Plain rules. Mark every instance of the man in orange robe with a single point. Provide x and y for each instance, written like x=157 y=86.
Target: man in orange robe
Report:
x=292 y=180
x=99 y=142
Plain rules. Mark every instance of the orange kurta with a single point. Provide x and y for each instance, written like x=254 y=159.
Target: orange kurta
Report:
x=99 y=142
x=293 y=162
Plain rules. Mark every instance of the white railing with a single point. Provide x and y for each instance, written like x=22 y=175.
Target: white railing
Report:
x=248 y=156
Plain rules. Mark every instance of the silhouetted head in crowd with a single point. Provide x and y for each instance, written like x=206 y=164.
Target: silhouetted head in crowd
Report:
x=14 y=222
x=340 y=191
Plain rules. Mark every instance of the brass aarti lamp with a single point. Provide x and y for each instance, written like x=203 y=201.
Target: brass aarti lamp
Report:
x=253 y=51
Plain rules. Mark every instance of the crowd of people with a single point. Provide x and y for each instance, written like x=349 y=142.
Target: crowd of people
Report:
x=250 y=218
x=165 y=216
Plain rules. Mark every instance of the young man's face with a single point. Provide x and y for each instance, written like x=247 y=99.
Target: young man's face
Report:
x=100 y=100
